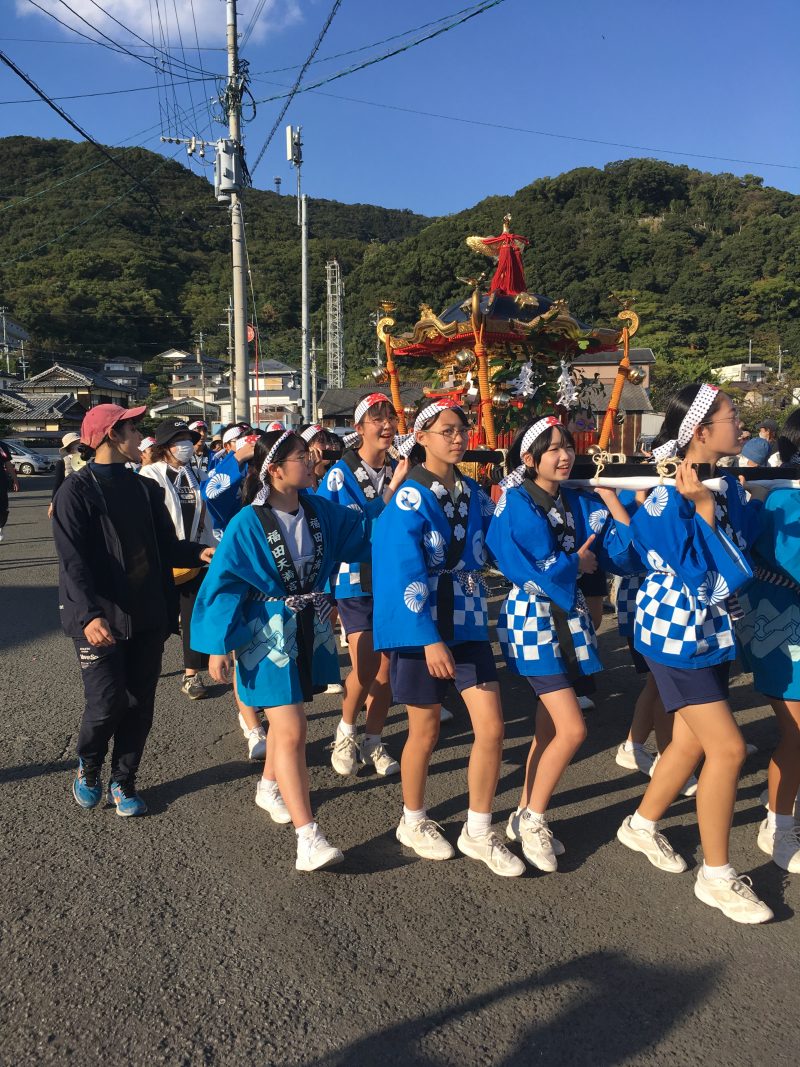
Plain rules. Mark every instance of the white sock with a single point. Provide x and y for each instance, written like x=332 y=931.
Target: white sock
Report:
x=269 y=783
x=371 y=740
x=725 y=871
x=780 y=823
x=519 y=811
x=478 y=822
x=304 y=833
x=345 y=729
x=411 y=818
x=633 y=746
x=534 y=816
x=638 y=822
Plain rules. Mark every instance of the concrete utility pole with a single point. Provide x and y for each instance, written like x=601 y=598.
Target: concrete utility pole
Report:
x=313 y=380
x=294 y=153
x=199 y=352
x=5 y=338
x=238 y=249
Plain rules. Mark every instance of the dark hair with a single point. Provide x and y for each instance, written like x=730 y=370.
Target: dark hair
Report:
x=327 y=439
x=384 y=408
x=538 y=448
x=789 y=438
x=417 y=453
x=252 y=483
x=677 y=407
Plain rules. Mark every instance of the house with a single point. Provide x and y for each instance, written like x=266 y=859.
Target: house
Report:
x=742 y=375
x=275 y=393
x=127 y=373
x=604 y=365
x=336 y=406
x=86 y=386
x=40 y=411
x=188 y=408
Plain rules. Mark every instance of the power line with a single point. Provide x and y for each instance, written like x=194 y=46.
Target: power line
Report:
x=71 y=122
x=52 y=40
x=143 y=40
x=85 y=96
x=296 y=86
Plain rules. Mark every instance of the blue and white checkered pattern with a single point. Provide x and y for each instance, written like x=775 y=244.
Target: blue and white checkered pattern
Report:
x=674 y=627
x=627 y=590
x=528 y=637
x=470 y=612
x=348 y=581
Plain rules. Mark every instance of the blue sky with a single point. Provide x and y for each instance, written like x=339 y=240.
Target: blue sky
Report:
x=708 y=77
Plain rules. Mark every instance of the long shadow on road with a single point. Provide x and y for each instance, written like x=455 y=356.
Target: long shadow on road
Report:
x=28 y=613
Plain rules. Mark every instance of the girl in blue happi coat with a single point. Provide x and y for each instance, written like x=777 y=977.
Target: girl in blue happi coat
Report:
x=365 y=479
x=693 y=541
x=544 y=537
x=264 y=601
x=769 y=637
x=430 y=612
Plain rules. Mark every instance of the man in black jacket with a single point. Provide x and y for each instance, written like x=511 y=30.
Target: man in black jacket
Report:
x=116 y=546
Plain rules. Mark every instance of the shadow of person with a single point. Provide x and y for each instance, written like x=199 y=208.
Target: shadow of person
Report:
x=598 y=1008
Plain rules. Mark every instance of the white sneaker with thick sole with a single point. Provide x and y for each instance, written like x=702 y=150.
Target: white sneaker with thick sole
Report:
x=380 y=759
x=256 y=743
x=269 y=798
x=634 y=759
x=513 y=834
x=690 y=785
x=445 y=714
x=653 y=845
x=734 y=897
x=536 y=838
x=586 y=703
x=345 y=754
x=315 y=852
x=334 y=687
x=783 y=846
x=426 y=839
x=489 y=849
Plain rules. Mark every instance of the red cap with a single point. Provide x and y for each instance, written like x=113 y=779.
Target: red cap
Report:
x=98 y=421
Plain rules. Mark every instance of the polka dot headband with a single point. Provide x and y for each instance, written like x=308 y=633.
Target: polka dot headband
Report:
x=700 y=407
x=368 y=402
x=538 y=428
x=404 y=443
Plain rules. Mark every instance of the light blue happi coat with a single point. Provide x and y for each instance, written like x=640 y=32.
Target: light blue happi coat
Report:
x=537 y=551
x=263 y=634
x=410 y=546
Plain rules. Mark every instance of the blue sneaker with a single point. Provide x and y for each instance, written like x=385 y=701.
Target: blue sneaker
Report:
x=86 y=788
x=127 y=800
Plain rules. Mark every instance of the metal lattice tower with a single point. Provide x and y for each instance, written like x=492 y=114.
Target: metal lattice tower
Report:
x=333 y=274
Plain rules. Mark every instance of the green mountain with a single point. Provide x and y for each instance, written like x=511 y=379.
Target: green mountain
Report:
x=712 y=260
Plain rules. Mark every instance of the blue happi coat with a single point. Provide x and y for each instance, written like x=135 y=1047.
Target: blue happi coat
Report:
x=683 y=605
x=355 y=491
x=536 y=549
x=222 y=491
x=769 y=632
x=424 y=539
x=263 y=634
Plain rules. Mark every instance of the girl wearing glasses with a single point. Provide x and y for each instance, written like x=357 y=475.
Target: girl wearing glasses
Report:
x=544 y=537
x=364 y=480
x=430 y=612
x=265 y=601
x=693 y=541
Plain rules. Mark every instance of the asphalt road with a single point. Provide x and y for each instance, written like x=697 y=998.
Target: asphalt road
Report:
x=187 y=937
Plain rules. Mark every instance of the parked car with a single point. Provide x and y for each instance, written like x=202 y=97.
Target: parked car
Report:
x=27 y=462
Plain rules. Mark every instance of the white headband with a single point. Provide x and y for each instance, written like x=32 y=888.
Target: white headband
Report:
x=232 y=434
x=538 y=428
x=433 y=409
x=363 y=406
x=700 y=407
x=311 y=431
x=263 y=493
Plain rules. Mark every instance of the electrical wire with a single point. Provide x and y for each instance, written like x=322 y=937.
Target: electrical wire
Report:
x=85 y=96
x=296 y=86
x=251 y=25
x=149 y=44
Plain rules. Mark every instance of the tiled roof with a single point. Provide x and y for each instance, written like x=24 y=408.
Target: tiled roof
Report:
x=38 y=406
x=70 y=374
x=339 y=404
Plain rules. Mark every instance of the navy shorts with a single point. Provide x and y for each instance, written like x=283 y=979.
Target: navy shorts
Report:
x=680 y=688
x=639 y=662
x=542 y=684
x=355 y=613
x=594 y=584
x=412 y=684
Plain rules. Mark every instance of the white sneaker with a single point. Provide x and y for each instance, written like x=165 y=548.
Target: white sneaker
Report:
x=537 y=843
x=634 y=759
x=654 y=845
x=689 y=786
x=426 y=839
x=513 y=834
x=256 y=743
x=344 y=757
x=269 y=798
x=586 y=703
x=333 y=688
x=783 y=846
x=734 y=897
x=445 y=714
x=380 y=759
x=314 y=852
x=343 y=639
x=490 y=850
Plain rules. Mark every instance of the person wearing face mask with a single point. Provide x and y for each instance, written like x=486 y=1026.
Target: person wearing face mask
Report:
x=173 y=452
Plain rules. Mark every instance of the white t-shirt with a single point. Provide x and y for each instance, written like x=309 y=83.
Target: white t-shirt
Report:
x=298 y=539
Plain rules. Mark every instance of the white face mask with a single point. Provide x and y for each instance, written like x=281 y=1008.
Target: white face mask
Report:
x=183 y=451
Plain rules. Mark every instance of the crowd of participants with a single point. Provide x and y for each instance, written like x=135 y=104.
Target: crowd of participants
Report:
x=255 y=544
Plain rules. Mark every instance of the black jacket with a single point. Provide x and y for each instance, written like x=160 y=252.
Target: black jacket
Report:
x=92 y=581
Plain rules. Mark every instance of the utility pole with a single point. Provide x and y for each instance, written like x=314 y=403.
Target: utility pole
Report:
x=5 y=338
x=238 y=256
x=23 y=361
x=199 y=352
x=231 y=375
x=294 y=153
x=313 y=380
x=750 y=351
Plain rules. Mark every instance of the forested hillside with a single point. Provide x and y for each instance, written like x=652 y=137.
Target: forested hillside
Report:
x=712 y=260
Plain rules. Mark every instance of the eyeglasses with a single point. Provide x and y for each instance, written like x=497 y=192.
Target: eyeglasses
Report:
x=452 y=432
x=735 y=417
x=300 y=457
x=383 y=421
